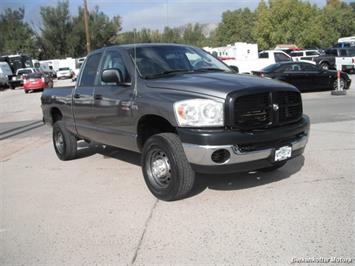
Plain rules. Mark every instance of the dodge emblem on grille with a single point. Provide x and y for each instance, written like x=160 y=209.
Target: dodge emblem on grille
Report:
x=275 y=107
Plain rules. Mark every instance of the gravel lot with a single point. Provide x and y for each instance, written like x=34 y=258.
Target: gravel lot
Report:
x=97 y=209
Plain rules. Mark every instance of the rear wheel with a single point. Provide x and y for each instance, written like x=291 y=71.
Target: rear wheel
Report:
x=26 y=91
x=65 y=143
x=166 y=171
x=324 y=65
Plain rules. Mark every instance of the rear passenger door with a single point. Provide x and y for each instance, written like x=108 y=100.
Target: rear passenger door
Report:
x=83 y=97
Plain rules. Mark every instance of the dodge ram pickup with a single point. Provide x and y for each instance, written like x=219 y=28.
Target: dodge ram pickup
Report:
x=182 y=109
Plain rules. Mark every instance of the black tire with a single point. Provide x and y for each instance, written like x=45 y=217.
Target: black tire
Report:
x=64 y=142
x=179 y=177
x=342 y=84
x=325 y=65
x=274 y=167
x=26 y=91
x=12 y=87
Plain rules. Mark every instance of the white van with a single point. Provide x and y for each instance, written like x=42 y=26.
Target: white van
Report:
x=5 y=72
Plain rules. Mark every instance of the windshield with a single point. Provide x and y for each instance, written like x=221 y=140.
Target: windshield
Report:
x=155 y=61
x=24 y=71
x=63 y=68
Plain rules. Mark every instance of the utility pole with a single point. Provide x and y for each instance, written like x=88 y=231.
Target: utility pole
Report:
x=86 y=24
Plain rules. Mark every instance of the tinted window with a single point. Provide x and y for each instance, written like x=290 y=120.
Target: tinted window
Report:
x=90 y=71
x=113 y=59
x=296 y=54
x=25 y=71
x=331 y=52
x=279 y=57
x=312 y=53
x=293 y=68
x=309 y=67
x=35 y=75
x=264 y=55
x=64 y=68
x=342 y=52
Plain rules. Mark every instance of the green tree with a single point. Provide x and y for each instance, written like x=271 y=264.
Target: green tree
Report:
x=16 y=36
x=193 y=34
x=57 y=26
x=337 y=20
x=286 y=22
x=103 y=31
x=236 y=26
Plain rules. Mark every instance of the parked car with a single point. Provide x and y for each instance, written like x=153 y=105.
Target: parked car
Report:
x=327 y=60
x=17 y=81
x=37 y=81
x=266 y=58
x=305 y=76
x=183 y=117
x=5 y=74
x=304 y=55
x=64 y=72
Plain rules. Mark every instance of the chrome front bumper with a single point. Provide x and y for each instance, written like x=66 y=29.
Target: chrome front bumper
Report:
x=201 y=154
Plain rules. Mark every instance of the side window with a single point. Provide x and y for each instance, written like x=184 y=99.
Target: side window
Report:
x=296 y=54
x=292 y=68
x=280 y=57
x=263 y=55
x=342 y=52
x=90 y=71
x=312 y=53
x=113 y=59
x=309 y=67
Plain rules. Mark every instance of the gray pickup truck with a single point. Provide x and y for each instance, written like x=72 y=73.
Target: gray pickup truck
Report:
x=183 y=109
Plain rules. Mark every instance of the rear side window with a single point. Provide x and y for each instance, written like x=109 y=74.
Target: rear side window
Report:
x=296 y=54
x=88 y=77
x=263 y=55
x=279 y=57
x=312 y=53
x=293 y=68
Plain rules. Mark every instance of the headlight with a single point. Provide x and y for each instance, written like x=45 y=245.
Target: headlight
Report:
x=199 y=113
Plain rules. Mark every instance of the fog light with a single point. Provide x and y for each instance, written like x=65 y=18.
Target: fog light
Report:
x=220 y=156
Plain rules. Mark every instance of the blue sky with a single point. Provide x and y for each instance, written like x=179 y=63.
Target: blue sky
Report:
x=154 y=14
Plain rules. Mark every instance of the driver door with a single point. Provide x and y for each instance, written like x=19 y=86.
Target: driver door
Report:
x=112 y=105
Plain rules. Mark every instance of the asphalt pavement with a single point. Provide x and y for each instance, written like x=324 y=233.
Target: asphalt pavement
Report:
x=97 y=210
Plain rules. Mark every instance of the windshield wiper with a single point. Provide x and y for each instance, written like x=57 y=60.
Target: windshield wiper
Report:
x=208 y=69
x=167 y=72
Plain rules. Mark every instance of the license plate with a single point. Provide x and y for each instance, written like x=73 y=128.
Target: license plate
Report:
x=283 y=153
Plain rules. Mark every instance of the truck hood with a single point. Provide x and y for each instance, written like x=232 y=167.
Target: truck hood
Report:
x=216 y=84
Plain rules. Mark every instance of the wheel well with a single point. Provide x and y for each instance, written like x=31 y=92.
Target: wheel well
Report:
x=56 y=115
x=150 y=125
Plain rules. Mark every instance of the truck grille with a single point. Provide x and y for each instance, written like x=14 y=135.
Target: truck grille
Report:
x=267 y=109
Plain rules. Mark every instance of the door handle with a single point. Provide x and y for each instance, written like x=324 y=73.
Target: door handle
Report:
x=76 y=96
x=98 y=97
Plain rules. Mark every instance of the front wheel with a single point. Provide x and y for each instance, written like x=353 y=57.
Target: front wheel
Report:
x=65 y=143
x=166 y=171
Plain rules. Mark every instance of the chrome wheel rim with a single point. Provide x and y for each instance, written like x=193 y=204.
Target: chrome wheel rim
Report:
x=59 y=142
x=342 y=84
x=158 y=168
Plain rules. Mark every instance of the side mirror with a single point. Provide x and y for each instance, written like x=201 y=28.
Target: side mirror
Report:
x=234 y=68
x=112 y=75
